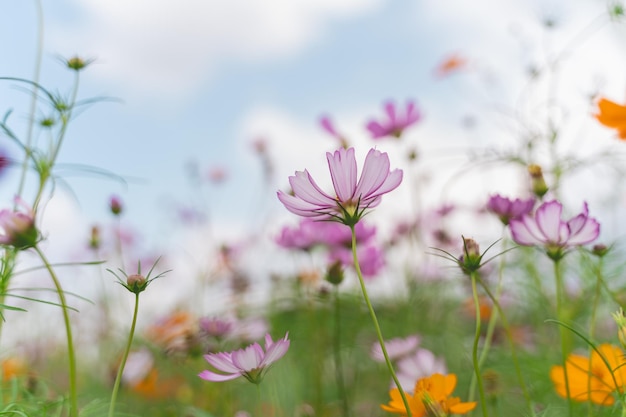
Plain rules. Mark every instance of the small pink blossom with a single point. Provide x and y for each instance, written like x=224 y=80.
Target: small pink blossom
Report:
x=396 y=123
x=397 y=348
x=371 y=258
x=310 y=233
x=351 y=198
x=507 y=209
x=547 y=229
x=251 y=362
x=18 y=227
x=418 y=365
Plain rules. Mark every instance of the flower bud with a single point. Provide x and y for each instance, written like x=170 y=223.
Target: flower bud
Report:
x=18 y=227
x=115 y=205
x=94 y=239
x=77 y=63
x=538 y=183
x=335 y=273
x=136 y=283
x=471 y=258
x=600 y=250
x=619 y=318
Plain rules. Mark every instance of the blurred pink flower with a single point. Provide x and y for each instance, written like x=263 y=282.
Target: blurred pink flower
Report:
x=251 y=362
x=352 y=198
x=4 y=162
x=371 y=258
x=217 y=175
x=418 y=365
x=395 y=124
x=329 y=127
x=310 y=233
x=547 y=229
x=18 y=227
x=215 y=327
x=397 y=348
x=507 y=209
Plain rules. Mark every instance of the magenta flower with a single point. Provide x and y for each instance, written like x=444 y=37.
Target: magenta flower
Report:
x=351 y=198
x=547 y=229
x=252 y=362
x=507 y=209
x=18 y=228
x=310 y=233
x=395 y=125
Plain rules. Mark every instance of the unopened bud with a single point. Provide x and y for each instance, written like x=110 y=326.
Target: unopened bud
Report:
x=94 y=239
x=599 y=250
x=335 y=273
x=471 y=257
x=538 y=183
x=136 y=283
x=76 y=63
x=115 y=205
x=619 y=318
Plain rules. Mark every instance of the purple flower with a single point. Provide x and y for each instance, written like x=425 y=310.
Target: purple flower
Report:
x=310 y=233
x=371 y=258
x=507 y=209
x=18 y=227
x=352 y=198
x=251 y=362
x=395 y=124
x=397 y=348
x=420 y=364
x=547 y=229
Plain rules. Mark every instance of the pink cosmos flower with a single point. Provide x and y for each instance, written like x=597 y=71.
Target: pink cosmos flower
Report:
x=329 y=127
x=395 y=125
x=371 y=258
x=547 y=229
x=252 y=362
x=420 y=364
x=18 y=228
x=397 y=348
x=507 y=209
x=351 y=198
x=310 y=233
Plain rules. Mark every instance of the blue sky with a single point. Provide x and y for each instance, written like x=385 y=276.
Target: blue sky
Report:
x=200 y=80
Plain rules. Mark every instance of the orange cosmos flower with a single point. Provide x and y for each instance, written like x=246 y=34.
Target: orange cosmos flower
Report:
x=431 y=398
x=449 y=65
x=612 y=115
x=591 y=379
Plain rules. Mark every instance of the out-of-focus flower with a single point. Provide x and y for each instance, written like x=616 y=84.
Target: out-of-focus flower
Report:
x=329 y=127
x=310 y=233
x=589 y=379
x=417 y=365
x=138 y=366
x=371 y=258
x=396 y=123
x=612 y=115
x=249 y=329
x=217 y=175
x=547 y=229
x=94 y=238
x=215 y=327
x=251 y=362
x=174 y=333
x=451 y=64
x=13 y=367
x=397 y=348
x=18 y=228
x=4 y=162
x=352 y=198
x=431 y=398
x=115 y=205
x=484 y=306
x=507 y=209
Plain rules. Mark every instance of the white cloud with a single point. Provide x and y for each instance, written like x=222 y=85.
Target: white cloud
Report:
x=171 y=46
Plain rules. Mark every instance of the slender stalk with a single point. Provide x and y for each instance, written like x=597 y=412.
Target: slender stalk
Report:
x=479 y=378
x=341 y=387
x=120 y=370
x=563 y=331
x=592 y=325
x=379 y=334
x=68 y=331
x=33 y=97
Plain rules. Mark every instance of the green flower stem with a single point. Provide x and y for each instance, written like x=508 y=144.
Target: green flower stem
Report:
x=379 y=334
x=341 y=387
x=479 y=378
x=563 y=331
x=68 y=331
x=592 y=325
x=120 y=370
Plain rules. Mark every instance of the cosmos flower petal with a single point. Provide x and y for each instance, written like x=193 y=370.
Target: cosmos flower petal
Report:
x=305 y=188
x=222 y=361
x=248 y=358
x=342 y=165
x=375 y=172
x=212 y=376
x=524 y=231
x=548 y=219
x=300 y=207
